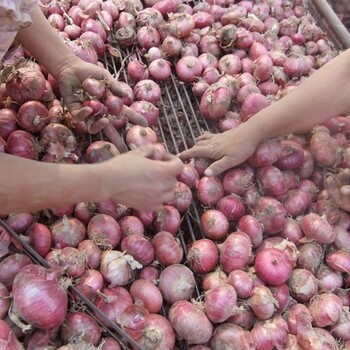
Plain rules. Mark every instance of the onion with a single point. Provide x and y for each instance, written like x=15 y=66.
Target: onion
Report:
x=292 y=231
x=147 y=295
x=104 y=230
x=109 y=344
x=298 y=317
x=328 y=279
x=116 y=267
x=148 y=110
x=25 y=84
x=209 y=190
x=202 y=256
x=80 y=325
x=150 y=273
x=220 y=303
x=4 y=301
x=167 y=219
x=340 y=329
x=325 y=309
x=270 y=334
x=241 y=282
x=273 y=266
x=214 y=224
x=160 y=69
x=147 y=90
x=227 y=334
x=188 y=68
x=67 y=232
x=148 y=37
x=167 y=248
x=131 y=225
x=297 y=202
x=90 y=284
x=19 y=222
x=232 y=206
x=100 y=151
x=271 y=215
x=262 y=302
x=95 y=41
x=39 y=238
x=315 y=227
x=237 y=181
x=150 y=17
x=311 y=256
x=190 y=322
x=10 y=266
x=113 y=302
x=176 y=282
x=139 y=248
x=251 y=226
x=339 y=260
x=235 y=252
x=253 y=104
x=8 y=122
x=8 y=338
x=302 y=285
x=38 y=298
x=92 y=252
x=281 y=294
x=20 y=143
x=157 y=333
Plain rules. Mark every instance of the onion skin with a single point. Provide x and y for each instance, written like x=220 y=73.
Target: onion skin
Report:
x=302 y=285
x=190 y=322
x=317 y=228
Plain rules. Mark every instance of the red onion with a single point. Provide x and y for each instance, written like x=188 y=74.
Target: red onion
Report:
x=188 y=68
x=25 y=84
x=230 y=120
x=139 y=248
x=157 y=332
x=208 y=60
x=273 y=266
x=220 y=303
x=160 y=69
x=235 y=252
x=148 y=37
x=100 y=151
x=171 y=47
x=4 y=301
x=266 y=153
x=241 y=282
x=281 y=294
x=262 y=302
x=209 y=190
x=104 y=230
x=147 y=90
x=20 y=143
x=81 y=325
x=317 y=228
x=38 y=297
x=113 y=209
x=131 y=225
x=328 y=279
x=150 y=17
x=8 y=122
x=237 y=181
x=126 y=19
x=214 y=224
x=270 y=334
x=189 y=175
x=311 y=256
x=176 y=282
x=202 y=256
x=146 y=217
x=113 y=302
x=8 y=338
x=92 y=252
x=232 y=206
x=245 y=91
x=167 y=219
x=150 y=273
x=39 y=238
x=271 y=214
x=167 y=248
x=297 y=202
x=339 y=260
x=67 y=232
x=190 y=322
x=10 y=266
x=251 y=226
x=340 y=329
x=325 y=309
x=147 y=295
x=148 y=110
x=227 y=334
x=19 y=222
x=298 y=317
x=292 y=231
x=90 y=284
x=180 y=25
x=94 y=41
x=302 y=285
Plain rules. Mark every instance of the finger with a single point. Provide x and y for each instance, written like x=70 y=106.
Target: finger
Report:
x=134 y=117
x=174 y=164
x=115 y=138
x=115 y=87
x=218 y=167
x=80 y=114
x=196 y=152
x=98 y=126
x=345 y=190
x=205 y=136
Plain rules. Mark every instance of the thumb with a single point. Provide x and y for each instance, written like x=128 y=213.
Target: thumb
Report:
x=345 y=190
x=218 y=167
x=145 y=151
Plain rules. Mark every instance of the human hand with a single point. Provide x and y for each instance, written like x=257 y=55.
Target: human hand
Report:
x=70 y=77
x=138 y=182
x=338 y=187
x=227 y=149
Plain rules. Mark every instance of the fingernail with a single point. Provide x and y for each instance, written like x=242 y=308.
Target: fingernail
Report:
x=208 y=172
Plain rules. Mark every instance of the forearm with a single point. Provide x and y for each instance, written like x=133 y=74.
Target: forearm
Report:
x=43 y=42
x=323 y=95
x=27 y=185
